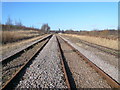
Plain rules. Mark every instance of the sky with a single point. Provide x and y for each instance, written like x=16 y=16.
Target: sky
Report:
x=60 y=0
x=63 y=15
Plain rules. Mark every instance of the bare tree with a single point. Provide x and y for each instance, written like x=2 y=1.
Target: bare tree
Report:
x=18 y=23
x=9 y=21
x=45 y=28
x=118 y=27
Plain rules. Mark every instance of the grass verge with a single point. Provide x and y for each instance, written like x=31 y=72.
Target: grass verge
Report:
x=12 y=36
x=97 y=40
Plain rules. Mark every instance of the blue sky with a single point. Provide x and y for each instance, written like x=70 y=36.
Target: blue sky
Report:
x=63 y=15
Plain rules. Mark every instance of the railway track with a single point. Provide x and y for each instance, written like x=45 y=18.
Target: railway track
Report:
x=46 y=71
x=69 y=79
x=107 y=62
x=13 y=65
x=22 y=50
x=107 y=50
x=70 y=83
x=102 y=48
x=18 y=75
x=113 y=83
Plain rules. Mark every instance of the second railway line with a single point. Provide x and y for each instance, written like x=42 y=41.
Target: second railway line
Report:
x=81 y=65
x=13 y=63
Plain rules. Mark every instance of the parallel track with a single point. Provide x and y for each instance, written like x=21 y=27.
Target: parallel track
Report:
x=65 y=70
x=9 y=58
x=105 y=49
x=113 y=83
x=10 y=83
x=102 y=48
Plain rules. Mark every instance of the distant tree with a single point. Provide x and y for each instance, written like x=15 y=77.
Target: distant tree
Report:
x=119 y=27
x=9 y=24
x=32 y=26
x=9 y=21
x=0 y=26
x=59 y=30
x=62 y=31
x=45 y=28
x=105 y=32
x=18 y=23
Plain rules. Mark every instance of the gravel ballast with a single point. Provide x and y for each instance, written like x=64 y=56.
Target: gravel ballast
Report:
x=101 y=62
x=9 y=69
x=46 y=70
x=84 y=76
x=12 y=48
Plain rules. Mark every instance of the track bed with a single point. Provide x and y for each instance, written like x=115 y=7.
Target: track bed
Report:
x=55 y=62
x=107 y=62
x=84 y=76
x=46 y=69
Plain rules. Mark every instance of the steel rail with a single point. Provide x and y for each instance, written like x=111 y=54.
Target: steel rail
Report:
x=63 y=64
x=10 y=83
x=113 y=83
x=9 y=58
x=100 y=47
x=69 y=79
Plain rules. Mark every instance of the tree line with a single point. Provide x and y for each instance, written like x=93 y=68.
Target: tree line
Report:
x=9 y=25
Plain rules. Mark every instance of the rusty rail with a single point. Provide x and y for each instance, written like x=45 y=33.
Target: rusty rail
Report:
x=9 y=58
x=63 y=65
x=10 y=83
x=113 y=83
x=69 y=79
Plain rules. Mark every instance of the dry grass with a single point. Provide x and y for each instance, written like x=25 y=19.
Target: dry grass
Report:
x=97 y=40
x=12 y=46
x=11 y=36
